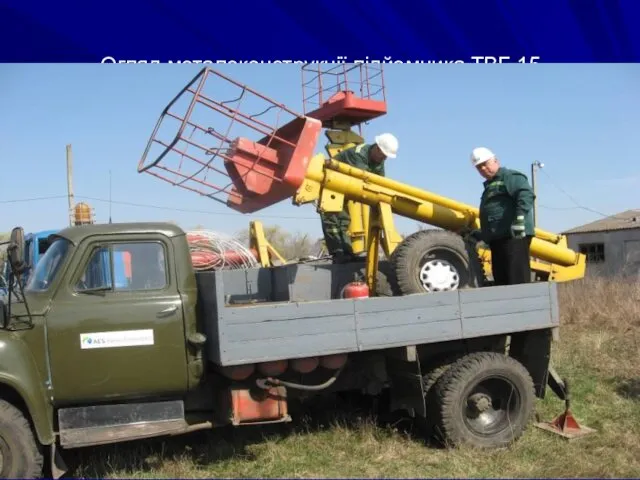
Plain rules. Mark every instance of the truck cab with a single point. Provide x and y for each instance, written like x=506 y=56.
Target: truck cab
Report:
x=101 y=290
x=105 y=315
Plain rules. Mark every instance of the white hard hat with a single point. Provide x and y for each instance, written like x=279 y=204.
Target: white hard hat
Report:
x=388 y=144
x=481 y=155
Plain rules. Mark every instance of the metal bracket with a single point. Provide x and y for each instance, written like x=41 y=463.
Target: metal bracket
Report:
x=564 y=424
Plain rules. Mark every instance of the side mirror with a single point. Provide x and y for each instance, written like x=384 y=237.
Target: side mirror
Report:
x=16 y=250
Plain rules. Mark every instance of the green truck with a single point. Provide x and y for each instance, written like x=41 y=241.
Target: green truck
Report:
x=88 y=360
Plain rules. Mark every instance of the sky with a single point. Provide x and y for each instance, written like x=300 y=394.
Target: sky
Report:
x=581 y=121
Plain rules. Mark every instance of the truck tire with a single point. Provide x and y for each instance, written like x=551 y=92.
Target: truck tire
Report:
x=20 y=453
x=436 y=368
x=484 y=400
x=383 y=286
x=435 y=260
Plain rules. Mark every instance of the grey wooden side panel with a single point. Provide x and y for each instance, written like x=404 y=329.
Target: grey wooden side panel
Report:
x=249 y=284
x=211 y=302
x=294 y=346
x=506 y=323
x=278 y=331
x=415 y=301
x=286 y=311
x=499 y=307
x=409 y=320
x=300 y=282
x=555 y=307
x=274 y=331
x=525 y=290
x=505 y=309
x=409 y=334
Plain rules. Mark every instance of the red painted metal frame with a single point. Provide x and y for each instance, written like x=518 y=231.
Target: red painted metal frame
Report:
x=348 y=93
x=255 y=174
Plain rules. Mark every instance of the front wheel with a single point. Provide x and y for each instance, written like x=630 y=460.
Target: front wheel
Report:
x=20 y=455
x=484 y=400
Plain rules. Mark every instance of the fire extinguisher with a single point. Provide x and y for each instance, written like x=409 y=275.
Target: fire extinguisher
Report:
x=355 y=289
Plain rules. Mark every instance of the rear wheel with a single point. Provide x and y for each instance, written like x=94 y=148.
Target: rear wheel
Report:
x=20 y=455
x=483 y=400
x=435 y=261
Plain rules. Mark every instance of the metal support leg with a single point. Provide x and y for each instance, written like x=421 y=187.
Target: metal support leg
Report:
x=373 y=249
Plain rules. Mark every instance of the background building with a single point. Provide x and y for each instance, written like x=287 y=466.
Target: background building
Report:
x=612 y=245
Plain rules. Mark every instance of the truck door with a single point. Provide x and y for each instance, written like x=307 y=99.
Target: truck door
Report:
x=116 y=330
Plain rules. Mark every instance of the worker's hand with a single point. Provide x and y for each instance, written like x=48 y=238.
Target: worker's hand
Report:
x=517 y=227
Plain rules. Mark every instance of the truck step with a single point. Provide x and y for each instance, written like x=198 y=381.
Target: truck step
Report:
x=103 y=424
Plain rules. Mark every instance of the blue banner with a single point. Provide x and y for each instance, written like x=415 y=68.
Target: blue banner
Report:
x=488 y=31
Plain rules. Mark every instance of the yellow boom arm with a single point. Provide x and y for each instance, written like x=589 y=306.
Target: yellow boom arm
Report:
x=332 y=183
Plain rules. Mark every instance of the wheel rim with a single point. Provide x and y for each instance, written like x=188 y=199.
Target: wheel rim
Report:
x=438 y=275
x=440 y=272
x=491 y=406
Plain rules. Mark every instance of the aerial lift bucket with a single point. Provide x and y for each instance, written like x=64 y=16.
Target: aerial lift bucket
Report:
x=204 y=141
x=564 y=424
x=343 y=95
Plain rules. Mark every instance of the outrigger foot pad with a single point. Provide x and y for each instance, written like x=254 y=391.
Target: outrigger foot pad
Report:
x=564 y=424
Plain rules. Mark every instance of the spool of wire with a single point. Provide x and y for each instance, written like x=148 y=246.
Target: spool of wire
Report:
x=215 y=251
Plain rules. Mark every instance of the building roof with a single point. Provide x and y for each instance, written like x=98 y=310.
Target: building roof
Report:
x=621 y=221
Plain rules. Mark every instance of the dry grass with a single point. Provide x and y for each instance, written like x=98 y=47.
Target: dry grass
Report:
x=598 y=351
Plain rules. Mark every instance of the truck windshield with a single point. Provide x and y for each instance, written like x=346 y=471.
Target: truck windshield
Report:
x=48 y=266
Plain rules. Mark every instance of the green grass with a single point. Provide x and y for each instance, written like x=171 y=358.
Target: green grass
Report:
x=598 y=351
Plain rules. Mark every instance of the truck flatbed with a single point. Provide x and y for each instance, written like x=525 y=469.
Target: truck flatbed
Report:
x=281 y=320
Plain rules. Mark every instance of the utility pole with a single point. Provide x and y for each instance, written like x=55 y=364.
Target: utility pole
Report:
x=534 y=166
x=110 y=196
x=70 y=183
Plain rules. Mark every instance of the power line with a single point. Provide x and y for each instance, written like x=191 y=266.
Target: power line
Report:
x=157 y=207
x=33 y=199
x=187 y=210
x=549 y=207
x=582 y=207
x=578 y=204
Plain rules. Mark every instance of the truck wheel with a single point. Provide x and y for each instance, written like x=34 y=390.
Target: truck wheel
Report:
x=383 y=287
x=483 y=400
x=435 y=370
x=20 y=455
x=434 y=261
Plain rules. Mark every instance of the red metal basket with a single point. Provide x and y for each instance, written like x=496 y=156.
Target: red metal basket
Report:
x=346 y=93
x=204 y=142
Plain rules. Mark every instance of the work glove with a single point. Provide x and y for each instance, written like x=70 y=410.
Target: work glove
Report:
x=517 y=227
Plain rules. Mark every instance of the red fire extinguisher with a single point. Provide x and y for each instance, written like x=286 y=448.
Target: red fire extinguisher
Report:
x=355 y=289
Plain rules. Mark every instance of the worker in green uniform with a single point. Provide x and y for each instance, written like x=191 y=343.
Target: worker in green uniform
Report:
x=506 y=218
x=368 y=157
